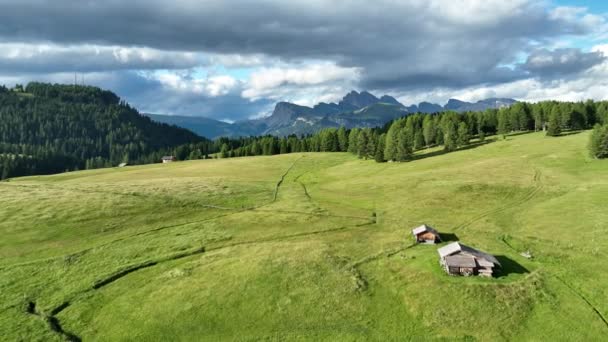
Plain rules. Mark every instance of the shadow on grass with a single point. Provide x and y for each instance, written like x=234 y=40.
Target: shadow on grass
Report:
x=448 y=237
x=464 y=148
x=563 y=134
x=509 y=266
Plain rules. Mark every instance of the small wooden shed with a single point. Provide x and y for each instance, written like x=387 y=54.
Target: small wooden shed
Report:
x=168 y=159
x=426 y=234
x=459 y=259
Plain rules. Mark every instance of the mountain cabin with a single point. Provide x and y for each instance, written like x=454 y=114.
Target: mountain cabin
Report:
x=168 y=159
x=426 y=234
x=458 y=259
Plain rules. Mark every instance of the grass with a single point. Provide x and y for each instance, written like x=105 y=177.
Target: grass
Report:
x=285 y=247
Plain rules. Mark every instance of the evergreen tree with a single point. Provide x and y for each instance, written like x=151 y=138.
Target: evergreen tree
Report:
x=353 y=139
x=504 y=124
x=372 y=144
x=450 y=136
x=362 y=143
x=404 y=145
x=342 y=139
x=463 y=134
x=598 y=145
x=554 y=127
x=392 y=141
x=224 y=151
x=429 y=130
x=379 y=155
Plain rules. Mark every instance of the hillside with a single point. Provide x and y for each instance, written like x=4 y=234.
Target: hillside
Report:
x=309 y=247
x=54 y=128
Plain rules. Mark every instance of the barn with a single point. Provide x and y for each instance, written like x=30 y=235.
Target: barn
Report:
x=459 y=259
x=426 y=234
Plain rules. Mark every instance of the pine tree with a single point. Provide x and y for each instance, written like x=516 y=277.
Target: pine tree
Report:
x=379 y=155
x=342 y=139
x=372 y=143
x=353 y=138
x=283 y=146
x=554 y=127
x=392 y=140
x=362 y=142
x=598 y=145
x=429 y=130
x=224 y=151
x=450 y=136
x=404 y=145
x=504 y=124
x=463 y=134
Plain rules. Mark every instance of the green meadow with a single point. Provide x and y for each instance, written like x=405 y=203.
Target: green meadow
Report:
x=312 y=246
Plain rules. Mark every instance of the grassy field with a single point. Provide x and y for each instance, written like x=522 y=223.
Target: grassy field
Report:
x=310 y=247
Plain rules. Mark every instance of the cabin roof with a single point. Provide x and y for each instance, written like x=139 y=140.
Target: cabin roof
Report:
x=460 y=261
x=422 y=229
x=168 y=157
x=457 y=247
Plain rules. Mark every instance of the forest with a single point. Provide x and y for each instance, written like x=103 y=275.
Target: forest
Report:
x=399 y=139
x=46 y=128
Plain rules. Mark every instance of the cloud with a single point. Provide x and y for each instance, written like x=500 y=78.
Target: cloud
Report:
x=290 y=82
x=560 y=62
x=397 y=43
x=190 y=56
x=53 y=58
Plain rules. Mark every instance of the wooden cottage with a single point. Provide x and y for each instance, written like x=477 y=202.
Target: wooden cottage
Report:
x=168 y=159
x=426 y=234
x=458 y=259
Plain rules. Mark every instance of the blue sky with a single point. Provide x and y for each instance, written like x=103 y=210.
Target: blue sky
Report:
x=233 y=61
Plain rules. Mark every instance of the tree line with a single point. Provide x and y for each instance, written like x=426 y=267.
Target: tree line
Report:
x=399 y=139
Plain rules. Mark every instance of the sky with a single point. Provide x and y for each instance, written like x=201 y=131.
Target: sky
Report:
x=233 y=60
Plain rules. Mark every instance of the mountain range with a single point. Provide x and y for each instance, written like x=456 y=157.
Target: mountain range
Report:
x=354 y=110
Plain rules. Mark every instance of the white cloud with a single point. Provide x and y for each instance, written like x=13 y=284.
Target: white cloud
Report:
x=302 y=82
x=50 y=57
x=211 y=86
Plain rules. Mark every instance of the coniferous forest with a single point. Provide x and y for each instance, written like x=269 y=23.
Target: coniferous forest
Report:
x=399 y=139
x=47 y=128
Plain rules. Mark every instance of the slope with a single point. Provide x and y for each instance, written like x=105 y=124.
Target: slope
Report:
x=310 y=246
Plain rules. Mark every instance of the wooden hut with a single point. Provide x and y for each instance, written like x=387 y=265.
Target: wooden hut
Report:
x=458 y=259
x=426 y=234
x=168 y=159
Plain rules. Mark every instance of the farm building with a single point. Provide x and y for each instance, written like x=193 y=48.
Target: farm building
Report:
x=458 y=259
x=168 y=159
x=426 y=234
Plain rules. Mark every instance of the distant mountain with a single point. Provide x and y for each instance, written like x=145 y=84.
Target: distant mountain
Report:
x=210 y=128
x=461 y=106
x=353 y=110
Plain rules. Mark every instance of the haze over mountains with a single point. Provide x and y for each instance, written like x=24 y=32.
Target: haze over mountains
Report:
x=354 y=110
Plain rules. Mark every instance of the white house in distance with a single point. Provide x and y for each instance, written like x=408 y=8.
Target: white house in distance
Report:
x=458 y=259
x=426 y=234
x=168 y=159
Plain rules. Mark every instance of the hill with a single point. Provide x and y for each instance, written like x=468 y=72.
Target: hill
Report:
x=54 y=128
x=310 y=246
x=354 y=110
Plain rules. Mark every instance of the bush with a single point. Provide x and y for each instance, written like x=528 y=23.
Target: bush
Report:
x=598 y=146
